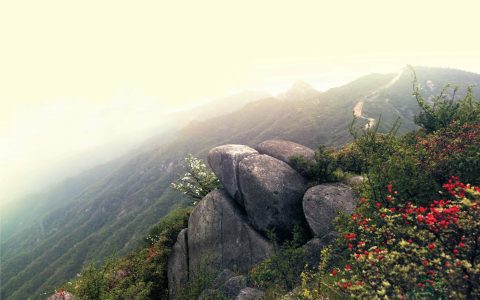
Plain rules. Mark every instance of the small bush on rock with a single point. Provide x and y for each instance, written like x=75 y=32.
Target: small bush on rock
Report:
x=198 y=180
x=322 y=169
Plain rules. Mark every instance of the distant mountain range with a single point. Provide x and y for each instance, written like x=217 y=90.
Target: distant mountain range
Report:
x=47 y=238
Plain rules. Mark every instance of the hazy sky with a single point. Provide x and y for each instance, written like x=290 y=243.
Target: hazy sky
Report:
x=77 y=74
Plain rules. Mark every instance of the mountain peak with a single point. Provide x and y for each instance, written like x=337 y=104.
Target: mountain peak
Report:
x=298 y=91
x=301 y=85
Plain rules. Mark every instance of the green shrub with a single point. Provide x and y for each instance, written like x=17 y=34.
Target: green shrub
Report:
x=387 y=158
x=318 y=285
x=418 y=163
x=322 y=169
x=201 y=280
x=453 y=150
x=445 y=108
x=92 y=282
x=140 y=275
x=281 y=272
x=166 y=231
x=350 y=159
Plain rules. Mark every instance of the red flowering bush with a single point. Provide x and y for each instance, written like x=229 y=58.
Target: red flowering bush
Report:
x=402 y=250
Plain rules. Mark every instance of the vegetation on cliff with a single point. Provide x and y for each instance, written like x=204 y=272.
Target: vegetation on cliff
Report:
x=143 y=273
x=140 y=275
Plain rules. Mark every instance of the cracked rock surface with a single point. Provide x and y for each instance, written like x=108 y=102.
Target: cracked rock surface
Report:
x=272 y=193
x=220 y=237
x=224 y=162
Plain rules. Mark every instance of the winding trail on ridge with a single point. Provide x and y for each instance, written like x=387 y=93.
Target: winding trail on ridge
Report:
x=358 y=108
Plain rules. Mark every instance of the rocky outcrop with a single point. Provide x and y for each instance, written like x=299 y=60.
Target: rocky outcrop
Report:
x=219 y=236
x=178 y=264
x=227 y=229
x=322 y=203
x=272 y=194
x=285 y=151
x=224 y=162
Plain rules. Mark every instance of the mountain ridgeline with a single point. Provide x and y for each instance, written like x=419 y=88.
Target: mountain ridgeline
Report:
x=48 y=238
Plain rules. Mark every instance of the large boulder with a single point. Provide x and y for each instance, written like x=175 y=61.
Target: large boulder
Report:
x=285 y=151
x=178 y=265
x=272 y=193
x=322 y=203
x=224 y=162
x=219 y=237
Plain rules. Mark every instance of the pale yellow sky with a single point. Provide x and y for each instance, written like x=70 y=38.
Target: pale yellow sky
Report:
x=76 y=74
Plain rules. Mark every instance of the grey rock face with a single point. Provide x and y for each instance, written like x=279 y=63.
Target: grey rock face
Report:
x=219 y=237
x=272 y=193
x=224 y=162
x=222 y=277
x=250 y=294
x=322 y=203
x=233 y=286
x=178 y=265
x=285 y=150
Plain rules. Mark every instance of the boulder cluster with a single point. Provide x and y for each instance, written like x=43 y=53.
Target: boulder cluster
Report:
x=262 y=192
